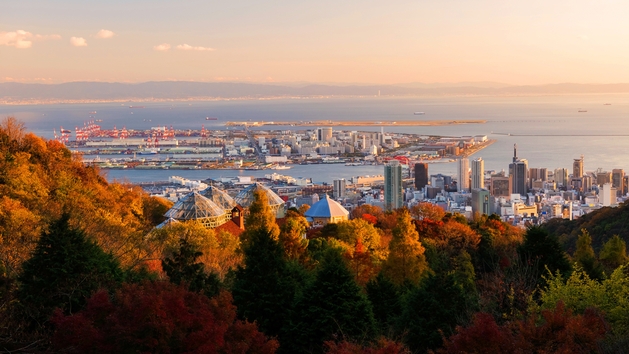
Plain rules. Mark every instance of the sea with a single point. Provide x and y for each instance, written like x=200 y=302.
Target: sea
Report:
x=549 y=131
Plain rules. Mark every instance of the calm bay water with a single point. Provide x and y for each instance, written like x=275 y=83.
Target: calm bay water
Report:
x=556 y=132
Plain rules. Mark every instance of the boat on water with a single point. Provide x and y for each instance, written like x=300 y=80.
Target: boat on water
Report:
x=419 y=113
x=136 y=106
x=148 y=152
x=280 y=167
x=210 y=118
x=93 y=112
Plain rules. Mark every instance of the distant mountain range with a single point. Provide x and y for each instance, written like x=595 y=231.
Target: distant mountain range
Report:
x=165 y=90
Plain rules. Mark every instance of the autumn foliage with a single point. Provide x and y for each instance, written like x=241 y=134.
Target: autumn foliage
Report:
x=158 y=317
x=557 y=331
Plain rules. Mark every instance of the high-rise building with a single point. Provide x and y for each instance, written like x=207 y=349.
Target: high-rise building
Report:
x=464 y=175
x=586 y=183
x=480 y=201
x=324 y=134
x=618 y=180
x=577 y=168
x=393 y=189
x=603 y=178
x=607 y=196
x=561 y=176
x=500 y=185
x=518 y=172
x=339 y=188
x=421 y=175
x=478 y=173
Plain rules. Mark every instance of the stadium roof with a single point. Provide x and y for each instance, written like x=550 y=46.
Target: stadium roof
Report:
x=194 y=206
x=326 y=208
x=246 y=196
x=219 y=197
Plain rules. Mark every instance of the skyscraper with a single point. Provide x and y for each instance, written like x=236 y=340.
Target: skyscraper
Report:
x=480 y=201
x=577 y=168
x=393 y=189
x=421 y=175
x=478 y=173
x=618 y=180
x=324 y=134
x=464 y=176
x=339 y=188
x=518 y=172
x=561 y=176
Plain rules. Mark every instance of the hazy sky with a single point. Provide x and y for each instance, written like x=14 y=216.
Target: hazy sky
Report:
x=393 y=41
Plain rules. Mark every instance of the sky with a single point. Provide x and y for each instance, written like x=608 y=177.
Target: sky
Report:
x=326 y=41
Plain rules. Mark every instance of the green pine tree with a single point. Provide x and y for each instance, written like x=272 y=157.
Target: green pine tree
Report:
x=431 y=311
x=265 y=287
x=182 y=268
x=542 y=250
x=585 y=256
x=333 y=306
x=386 y=300
x=65 y=269
x=614 y=253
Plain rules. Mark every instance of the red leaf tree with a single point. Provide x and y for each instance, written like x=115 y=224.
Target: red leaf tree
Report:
x=158 y=317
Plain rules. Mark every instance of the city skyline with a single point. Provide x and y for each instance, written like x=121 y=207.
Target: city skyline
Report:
x=522 y=43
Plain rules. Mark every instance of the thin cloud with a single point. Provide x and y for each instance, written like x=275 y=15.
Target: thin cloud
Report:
x=78 y=41
x=162 y=47
x=105 y=34
x=22 y=39
x=189 y=47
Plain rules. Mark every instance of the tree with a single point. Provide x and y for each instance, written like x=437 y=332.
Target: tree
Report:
x=542 y=250
x=292 y=236
x=266 y=285
x=158 y=317
x=386 y=301
x=260 y=217
x=63 y=272
x=557 y=331
x=427 y=211
x=333 y=304
x=432 y=310
x=614 y=253
x=580 y=292
x=353 y=230
x=406 y=261
x=383 y=346
x=585 y=257
x=182 y=268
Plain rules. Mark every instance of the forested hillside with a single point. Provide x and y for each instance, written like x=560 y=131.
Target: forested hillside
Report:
x=602 y=224
x=83 y=270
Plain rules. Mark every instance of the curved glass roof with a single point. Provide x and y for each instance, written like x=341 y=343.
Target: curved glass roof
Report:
x=326 y=208
x=246 y=196
x=194 y=206
x=219 y=197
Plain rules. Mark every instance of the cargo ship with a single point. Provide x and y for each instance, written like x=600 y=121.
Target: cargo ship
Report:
x=136 y=106
x=210 y=118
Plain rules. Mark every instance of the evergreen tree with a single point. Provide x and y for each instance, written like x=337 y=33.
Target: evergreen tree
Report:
x=432 y=310
x=542 y=250
x=614 y=253
x=182 y=268
x=265 y=287
x=63 y=272
x=585 y=257
x=332 y=306
x=406 y=261
x=386 y=300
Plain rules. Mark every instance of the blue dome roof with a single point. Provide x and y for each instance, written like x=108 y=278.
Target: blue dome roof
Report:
x=326 y=208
